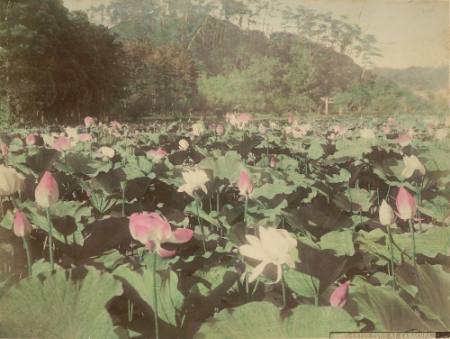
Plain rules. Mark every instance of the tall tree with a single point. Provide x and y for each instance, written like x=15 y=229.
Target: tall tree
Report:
x=55 y=63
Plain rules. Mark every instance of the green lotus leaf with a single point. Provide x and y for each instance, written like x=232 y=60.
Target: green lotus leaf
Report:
x=301 y=283
x=433 y=296
x=385 y=309
x=263 y=320
x=169 y=299
x=227 y=166
x=57 y=307
x=341 y=242
x=430 y=243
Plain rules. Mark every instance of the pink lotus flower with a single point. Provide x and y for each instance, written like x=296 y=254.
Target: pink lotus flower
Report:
x=404 y=140
x=406 y=204
x=22 y=226
x=340 y=130
x=220 y=130
x=47 y=192
x=244 y=118
x=89 y=122
x=62 y=144
x=31 y=139
x=339 y=296
x=157 y=154
x=116 y=125
x=245 y=185
x=391 y=121
x=152 y=230
x=84 y=137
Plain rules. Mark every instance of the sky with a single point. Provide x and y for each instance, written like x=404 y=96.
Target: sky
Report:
x=409 y=32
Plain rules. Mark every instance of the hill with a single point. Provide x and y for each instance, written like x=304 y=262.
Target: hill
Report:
x=245 y=68
x=428 y=82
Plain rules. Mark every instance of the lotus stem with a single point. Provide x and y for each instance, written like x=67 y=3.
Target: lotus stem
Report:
x=217 y=201
x=197 y=203
x=122 y=187
x=1 y=207
x=50 y=239
x=130 y=310
x=255 y=287
x=245 y=210
x=419 y=201
x=411 y=229
x=246 y=288
x=391 y=252
x=378 y=196
x=27 y=251
x=155 y=296
x=283 y=291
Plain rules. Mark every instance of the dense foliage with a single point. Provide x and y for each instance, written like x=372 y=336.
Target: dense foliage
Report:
x=55 y=64
x=278 y=229
x=183 y=56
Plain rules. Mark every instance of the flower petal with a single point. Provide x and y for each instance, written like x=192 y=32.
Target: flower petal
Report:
x=253 y=252
x=278 y=274
x=150 y=245
x=180 y=236
x=163 y=253
x=257 y=271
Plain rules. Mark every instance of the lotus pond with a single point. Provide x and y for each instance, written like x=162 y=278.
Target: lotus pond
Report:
x=225 y=229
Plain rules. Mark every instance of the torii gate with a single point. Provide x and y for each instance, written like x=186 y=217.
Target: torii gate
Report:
x=327 y=101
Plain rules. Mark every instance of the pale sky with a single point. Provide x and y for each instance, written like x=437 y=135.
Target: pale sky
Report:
x=409 y=32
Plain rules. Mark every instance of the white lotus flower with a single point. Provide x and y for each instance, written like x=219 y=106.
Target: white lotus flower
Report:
x=198 y=128
x=367 y=133
x=272 y=247
x=194 y=179
x=10 y=181
x=412 y=163
x=106 y=152
x=48 y=139
x=262 y=129
x=273 y=125
x=72 y=133
x=386 y=214
x=183 y=144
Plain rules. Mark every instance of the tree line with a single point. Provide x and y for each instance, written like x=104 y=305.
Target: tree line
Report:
x=158 y=56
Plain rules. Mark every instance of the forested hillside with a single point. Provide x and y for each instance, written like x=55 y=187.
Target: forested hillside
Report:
x=429 y=82
x=186 y=56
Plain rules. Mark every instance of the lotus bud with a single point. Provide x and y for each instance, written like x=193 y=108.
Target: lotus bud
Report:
x=183 y=144
x=31 y=139
x=11 y=181
x=386 y=214
x=245 y=185
x=89 y=122
x=273 y=161
x=47 y=192
x=406 y=204
x=22 y=226
x=339 y=296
